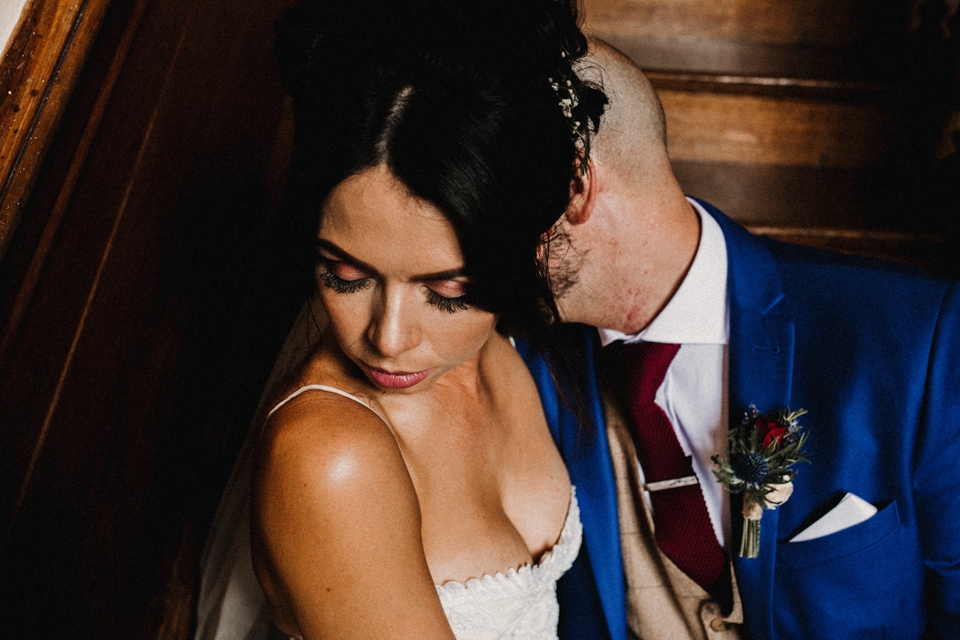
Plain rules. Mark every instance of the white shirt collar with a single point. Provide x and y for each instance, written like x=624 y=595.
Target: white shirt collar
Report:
x=697 y=312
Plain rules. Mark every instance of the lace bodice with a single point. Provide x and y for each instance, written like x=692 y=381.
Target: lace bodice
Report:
x=520 y=604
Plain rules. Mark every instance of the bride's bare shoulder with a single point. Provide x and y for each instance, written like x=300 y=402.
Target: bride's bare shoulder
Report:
x=328 y=436
x=335 y=519
x=322 y=437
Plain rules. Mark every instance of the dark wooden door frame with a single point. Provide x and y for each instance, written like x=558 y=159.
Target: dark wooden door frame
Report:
x=142 y=151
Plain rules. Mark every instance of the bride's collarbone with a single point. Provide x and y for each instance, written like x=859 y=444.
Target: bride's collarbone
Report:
x=480 y=450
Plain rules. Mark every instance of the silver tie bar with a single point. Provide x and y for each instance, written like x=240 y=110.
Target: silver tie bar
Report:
x=686 y=481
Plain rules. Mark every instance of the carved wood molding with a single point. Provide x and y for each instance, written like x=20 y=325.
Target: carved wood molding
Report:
x=37 y=75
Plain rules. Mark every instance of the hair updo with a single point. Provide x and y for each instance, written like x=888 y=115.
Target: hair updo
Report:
x=455 y=98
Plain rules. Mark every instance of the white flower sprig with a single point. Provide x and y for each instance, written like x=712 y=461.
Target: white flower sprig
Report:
x=568 y=101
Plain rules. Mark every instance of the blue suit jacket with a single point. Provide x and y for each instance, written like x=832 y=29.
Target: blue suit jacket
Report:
x=873 y=353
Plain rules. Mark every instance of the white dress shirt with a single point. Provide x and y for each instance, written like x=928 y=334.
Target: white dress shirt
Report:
x=694 y=390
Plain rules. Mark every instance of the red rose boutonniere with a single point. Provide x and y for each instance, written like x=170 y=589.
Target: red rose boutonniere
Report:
x=757 y=463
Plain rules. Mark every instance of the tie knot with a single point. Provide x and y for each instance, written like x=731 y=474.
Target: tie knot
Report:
x=642 y=367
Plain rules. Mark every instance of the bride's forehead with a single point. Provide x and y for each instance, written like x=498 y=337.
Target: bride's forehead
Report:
x=375 y=193
x=372 y=212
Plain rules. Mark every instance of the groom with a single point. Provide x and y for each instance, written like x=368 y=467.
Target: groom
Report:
x=868 y=545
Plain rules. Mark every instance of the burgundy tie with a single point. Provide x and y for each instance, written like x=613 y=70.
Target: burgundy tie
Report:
x=683 y=529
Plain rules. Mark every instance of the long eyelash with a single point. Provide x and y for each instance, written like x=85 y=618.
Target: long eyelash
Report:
x=450 y=305
x=338 y=284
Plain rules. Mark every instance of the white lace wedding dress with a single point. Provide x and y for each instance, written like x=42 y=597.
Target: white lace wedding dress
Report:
x=520 y=604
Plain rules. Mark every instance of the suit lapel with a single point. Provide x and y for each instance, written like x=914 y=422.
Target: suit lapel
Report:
x=761 y=374
x=587 y=455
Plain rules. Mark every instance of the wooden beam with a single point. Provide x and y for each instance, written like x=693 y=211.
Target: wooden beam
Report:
x=37 y=75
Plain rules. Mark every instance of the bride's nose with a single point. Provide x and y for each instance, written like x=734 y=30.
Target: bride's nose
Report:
x=394 y=326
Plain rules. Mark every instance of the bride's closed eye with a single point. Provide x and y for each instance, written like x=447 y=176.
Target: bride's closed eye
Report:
x=448 y=295
x=341 y=276
x=450 y=305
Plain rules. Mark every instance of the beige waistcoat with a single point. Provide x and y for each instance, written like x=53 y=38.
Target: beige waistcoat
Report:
x=663 y=603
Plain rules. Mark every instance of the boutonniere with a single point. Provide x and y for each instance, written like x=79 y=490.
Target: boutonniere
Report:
x=757 y=463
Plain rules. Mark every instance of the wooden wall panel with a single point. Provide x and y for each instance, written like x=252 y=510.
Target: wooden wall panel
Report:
x=807 y=22
x=771 y=130
x=808 y=38
x=790 y=197
x=134 y=338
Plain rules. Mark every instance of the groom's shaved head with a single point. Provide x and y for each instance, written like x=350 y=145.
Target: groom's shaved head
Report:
x=630 y=215
x=633 y=133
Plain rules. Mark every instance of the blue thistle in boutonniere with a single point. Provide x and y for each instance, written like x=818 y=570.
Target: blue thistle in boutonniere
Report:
x=760 y=454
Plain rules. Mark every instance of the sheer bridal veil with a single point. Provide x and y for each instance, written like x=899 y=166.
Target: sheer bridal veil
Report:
x=231 y=605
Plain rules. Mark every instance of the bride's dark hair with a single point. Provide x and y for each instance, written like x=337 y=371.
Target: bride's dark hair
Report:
x=457 y=100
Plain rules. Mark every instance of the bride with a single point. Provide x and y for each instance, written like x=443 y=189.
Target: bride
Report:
x=404 y=482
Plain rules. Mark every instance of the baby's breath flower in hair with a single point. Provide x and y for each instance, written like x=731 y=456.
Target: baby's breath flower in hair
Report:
x=568 y=101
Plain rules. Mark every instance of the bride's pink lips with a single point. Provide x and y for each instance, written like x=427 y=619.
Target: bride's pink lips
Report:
x=389 y=380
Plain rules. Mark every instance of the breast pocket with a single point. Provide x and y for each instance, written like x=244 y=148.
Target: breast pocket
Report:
x=859 y=538
x=865 y=581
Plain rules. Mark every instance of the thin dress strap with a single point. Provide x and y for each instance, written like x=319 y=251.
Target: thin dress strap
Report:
x=322 y=387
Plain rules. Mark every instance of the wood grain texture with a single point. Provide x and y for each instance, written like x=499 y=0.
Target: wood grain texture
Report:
x=807 y=22
x=719 y=57
x=780 y=131
x=135 y=343
x=754 y=194
x=809 y=38
x=37 y=76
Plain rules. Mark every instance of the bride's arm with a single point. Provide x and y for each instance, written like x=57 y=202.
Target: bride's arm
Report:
x=336 y=527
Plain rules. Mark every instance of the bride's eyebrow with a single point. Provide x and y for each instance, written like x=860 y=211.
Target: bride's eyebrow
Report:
x=340 y=254
x=449 y=274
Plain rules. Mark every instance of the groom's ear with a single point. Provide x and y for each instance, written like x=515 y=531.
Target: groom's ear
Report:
x=582 y=194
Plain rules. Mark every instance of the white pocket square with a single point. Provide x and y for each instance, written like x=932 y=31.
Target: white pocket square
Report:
x=850 y=511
